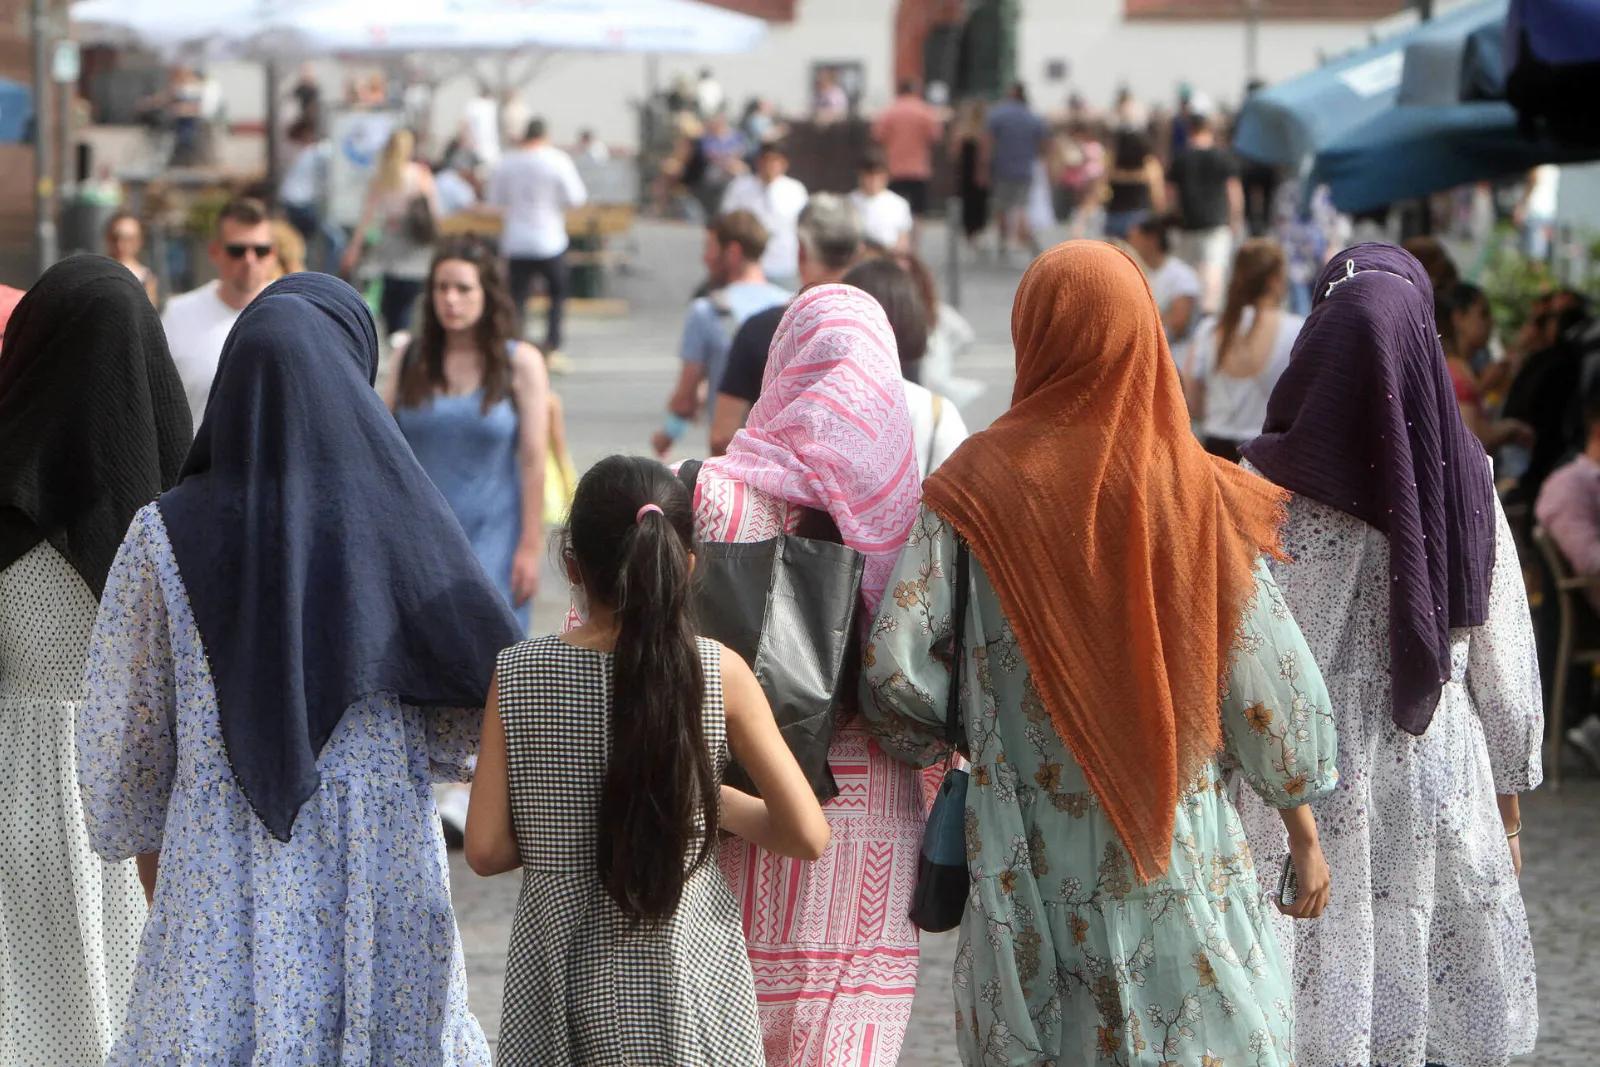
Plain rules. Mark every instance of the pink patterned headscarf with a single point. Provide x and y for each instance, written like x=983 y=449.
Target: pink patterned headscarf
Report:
x=831 y=432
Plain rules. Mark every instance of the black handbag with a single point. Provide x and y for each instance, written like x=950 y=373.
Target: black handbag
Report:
x=940 y=896
x=789 y=606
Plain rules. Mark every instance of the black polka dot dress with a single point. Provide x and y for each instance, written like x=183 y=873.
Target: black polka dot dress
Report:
x=582 y=985
x=69 y=922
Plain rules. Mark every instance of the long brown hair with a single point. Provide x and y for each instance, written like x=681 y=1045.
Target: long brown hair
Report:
x=1259 y=262
x=422 y=372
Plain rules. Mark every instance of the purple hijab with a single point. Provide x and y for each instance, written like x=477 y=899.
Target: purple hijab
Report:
x=1365 y=420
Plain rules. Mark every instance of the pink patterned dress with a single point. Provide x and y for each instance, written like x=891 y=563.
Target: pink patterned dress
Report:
x=832 y=948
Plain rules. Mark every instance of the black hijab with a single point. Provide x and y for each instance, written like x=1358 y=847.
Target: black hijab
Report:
x=322 y=564
x=1365 y=420
x=93 y=421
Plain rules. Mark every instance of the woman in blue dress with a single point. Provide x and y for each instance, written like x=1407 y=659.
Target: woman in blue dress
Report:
x=289 y=650
x=473 y=401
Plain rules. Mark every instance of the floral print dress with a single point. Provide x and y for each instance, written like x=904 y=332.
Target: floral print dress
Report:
x=1423 y=954
x=338 y=946
x=1064 y=957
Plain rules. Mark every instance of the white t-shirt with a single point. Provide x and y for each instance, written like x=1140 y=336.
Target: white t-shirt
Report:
x=197 y=323
x=1235 y=408
x=885 y=217
x=936 y=427
x=482 y=116
x=778 y=206
x=1172 y=280
x=534 y=188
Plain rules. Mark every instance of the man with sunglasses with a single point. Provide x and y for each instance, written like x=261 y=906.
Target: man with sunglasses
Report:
x=197 y=323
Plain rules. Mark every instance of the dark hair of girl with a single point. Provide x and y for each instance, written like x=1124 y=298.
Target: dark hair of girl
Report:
x=422 y=371
x=1259 y=262
x=661 y=790
x=893 y=288
x=1448 y=302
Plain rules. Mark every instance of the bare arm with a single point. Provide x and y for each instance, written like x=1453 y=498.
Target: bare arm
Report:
x=786 y=818
x=149 y=864
x=1310 y=866
x=1511 y=818
x=491 y=840
x=727 y=418
x=1236 y=204
x=530 y=386
x=358 y=239
x=389 y=387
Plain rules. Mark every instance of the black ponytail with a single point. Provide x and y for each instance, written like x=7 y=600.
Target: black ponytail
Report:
x=630 y=533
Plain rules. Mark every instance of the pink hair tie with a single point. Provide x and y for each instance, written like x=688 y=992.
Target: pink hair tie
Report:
x=647 y=509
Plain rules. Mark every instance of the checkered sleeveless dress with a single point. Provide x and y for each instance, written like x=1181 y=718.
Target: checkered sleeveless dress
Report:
x=581 y=986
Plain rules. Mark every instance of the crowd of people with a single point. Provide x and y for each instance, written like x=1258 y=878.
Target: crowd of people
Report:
x=1222 y=621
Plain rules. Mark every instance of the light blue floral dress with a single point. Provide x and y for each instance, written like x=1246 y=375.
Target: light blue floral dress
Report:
x=338 y=947
x=1064 y=958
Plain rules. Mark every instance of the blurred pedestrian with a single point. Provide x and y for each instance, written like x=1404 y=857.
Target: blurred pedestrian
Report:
x=936 y=426
x=972 y=173
x=708 y=95
x=1173 y=283
x=621 y=892
x=124 y=236
x=591 y=149
x=829 y=240
x=776 y=200
x=829 y=101
x=1400 y=566
x=481 y=117
x=1118 y=643
x=1208 y=197
x=1015 y=141
x=456 y=184
x=887 y=220
x=93 y=424
x=471 y=400
x=908 y=130
x=831 y=941
x=304 y=192
x=1465 y=324
x=534 y=188
x=243 y=251
x=1136 y=183
x=278 y=774
x=402 y=203
x=734 y=245
x=723 y=150
x=1240 y=354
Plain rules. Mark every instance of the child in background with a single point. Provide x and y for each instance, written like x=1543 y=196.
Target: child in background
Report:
x=600 y=776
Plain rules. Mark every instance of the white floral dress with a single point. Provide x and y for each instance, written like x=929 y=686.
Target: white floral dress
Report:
x=1064 y=958
x=1423 y=955
x=338 y=946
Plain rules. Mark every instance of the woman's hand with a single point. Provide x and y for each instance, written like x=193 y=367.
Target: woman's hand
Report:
x=1311 y=870
x=525 y=573
x=351 y=257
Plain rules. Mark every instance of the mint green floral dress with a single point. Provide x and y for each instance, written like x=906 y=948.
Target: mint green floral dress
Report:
x=1064 y=958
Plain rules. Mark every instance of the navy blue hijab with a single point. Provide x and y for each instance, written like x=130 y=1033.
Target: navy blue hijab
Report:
x=1365 y=421
x=321 y=563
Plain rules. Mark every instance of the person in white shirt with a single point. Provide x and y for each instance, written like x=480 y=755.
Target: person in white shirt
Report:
x=885 y=215
x=198 y=322
x=1238 y=356
x=481 y=117
x=1175 y=284
x=303 y=192
x=776 y=200
x=534 y=188
x=708 y=96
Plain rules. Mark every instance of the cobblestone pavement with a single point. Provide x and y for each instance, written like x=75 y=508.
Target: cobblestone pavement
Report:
x=625 y=367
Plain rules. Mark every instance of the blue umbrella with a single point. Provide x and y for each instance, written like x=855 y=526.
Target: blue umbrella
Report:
x=1408 y=152
x=16 y=112
x=1288 y=123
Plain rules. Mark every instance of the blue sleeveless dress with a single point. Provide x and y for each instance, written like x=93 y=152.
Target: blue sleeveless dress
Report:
x=472 y=457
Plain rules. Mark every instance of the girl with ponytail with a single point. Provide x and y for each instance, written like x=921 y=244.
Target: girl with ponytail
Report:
x=600 y=776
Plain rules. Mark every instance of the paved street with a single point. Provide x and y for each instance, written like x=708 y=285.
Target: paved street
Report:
x=625 y=366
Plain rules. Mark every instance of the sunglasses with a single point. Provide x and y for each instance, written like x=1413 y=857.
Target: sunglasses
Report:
x=238 y=251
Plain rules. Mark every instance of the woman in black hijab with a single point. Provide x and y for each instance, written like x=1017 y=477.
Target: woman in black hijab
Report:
x=294 y=643
x=93 y=425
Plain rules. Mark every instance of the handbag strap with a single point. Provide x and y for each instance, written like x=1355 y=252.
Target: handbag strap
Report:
x=814 y=525
x=958 y=643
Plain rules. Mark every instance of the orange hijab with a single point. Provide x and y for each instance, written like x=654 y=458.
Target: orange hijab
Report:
x=1121 y=552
